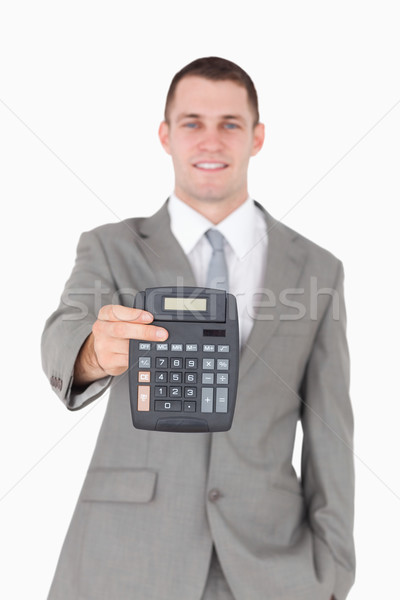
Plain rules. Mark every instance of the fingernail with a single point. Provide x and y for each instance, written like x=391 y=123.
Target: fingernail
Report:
x=161 y=334
x=147 y=317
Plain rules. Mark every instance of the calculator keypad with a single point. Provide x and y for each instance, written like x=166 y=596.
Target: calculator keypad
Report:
x=195 y=379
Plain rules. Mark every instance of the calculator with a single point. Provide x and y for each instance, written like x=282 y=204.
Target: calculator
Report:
x=187 y=383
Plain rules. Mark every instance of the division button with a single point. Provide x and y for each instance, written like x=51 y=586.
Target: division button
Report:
x=223 y=378
x=207 y=400
x=143 y=397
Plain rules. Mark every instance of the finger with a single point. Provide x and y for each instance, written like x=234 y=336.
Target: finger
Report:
x=125 y=331
x=116 y=312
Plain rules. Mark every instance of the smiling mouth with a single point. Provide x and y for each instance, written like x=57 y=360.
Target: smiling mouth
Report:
x=210 y=166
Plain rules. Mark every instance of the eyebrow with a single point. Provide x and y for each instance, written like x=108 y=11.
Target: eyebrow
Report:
x=197 y=116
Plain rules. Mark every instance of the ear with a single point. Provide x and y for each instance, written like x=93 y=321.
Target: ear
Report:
x=258 y=138
x=163 y=134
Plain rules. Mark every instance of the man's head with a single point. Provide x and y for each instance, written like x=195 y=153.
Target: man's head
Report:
x=215 y=69
x=211 y=130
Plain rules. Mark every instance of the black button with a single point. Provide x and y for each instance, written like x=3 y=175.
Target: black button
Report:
x=214 y=495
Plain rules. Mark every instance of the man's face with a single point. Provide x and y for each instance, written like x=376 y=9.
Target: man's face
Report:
x=211 y=137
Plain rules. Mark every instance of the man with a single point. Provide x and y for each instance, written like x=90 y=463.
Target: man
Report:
x=210 y=516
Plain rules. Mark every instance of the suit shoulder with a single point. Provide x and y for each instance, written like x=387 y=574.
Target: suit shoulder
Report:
x=319 y=259
x=125 y=229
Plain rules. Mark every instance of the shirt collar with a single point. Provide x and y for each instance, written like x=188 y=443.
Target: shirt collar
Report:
x=188 y=226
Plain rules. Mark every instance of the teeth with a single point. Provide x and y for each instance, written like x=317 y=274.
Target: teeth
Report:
x=206 y=165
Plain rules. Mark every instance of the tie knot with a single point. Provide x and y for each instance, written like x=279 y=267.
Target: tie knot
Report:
x=216 y=239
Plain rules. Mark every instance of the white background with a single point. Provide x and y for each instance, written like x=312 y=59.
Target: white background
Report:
x=82 y=88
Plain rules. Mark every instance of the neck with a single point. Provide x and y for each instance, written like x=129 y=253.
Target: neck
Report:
x=214 y=210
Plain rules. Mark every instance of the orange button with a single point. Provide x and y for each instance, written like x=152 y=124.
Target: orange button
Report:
x=143 y=397
x=144 y=376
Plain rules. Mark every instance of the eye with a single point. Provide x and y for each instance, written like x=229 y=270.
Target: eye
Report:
x=190 y=125
x=231 y=126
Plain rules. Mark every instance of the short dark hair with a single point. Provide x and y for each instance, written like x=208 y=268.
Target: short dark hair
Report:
x=215 y=69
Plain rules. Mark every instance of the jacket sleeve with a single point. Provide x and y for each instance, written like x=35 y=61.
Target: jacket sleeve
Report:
x=327 y=453
x=89 y=287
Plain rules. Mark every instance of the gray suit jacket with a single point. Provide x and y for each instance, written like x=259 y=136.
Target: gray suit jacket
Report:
x=154 y=503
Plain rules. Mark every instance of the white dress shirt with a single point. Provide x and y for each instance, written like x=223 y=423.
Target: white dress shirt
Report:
x=245 y=232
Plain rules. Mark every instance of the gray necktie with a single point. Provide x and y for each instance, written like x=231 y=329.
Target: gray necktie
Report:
x=217 y=275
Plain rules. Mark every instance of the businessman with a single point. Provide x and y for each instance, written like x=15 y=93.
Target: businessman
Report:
x=223 y=516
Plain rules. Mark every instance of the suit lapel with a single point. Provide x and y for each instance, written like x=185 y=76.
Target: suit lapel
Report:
x=169 y=266
x=285 y=262
x=168 y=263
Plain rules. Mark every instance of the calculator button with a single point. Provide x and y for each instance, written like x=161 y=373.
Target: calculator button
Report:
x=169 y=405
x=176 y=363
x=176 y=392
x=207 y=378
x=191 y=363
x=161 y=362
x=144 y=362
x=223 y=348
x=208 y=348
x=175 y=377
x=208 y=363
x=207 y=400
x=160 y=391
x=190 y=377
x=161 y=376
x=177 y=347
x=222 y=378
x=221 y=400
x=143 y=398
x=189 y=406
x=190 y=392
x=191 y=347
x=144 y=346
x=161 y=347
x=223 y=364
x=144 y=376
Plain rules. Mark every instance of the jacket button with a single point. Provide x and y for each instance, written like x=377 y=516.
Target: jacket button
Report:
x=214 y=495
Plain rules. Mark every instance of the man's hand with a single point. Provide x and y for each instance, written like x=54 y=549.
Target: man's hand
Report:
x=106 y=350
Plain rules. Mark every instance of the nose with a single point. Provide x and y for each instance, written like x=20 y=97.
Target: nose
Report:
x=210 y=140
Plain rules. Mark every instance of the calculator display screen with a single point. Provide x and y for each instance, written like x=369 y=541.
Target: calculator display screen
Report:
x=189 y=304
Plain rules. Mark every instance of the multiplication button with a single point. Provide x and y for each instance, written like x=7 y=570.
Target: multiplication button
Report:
x=208 y=363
